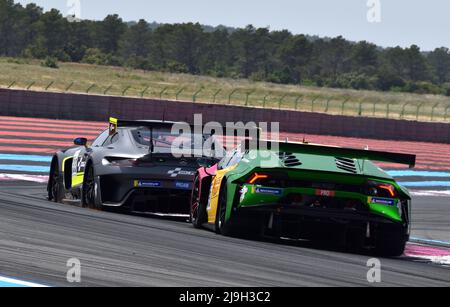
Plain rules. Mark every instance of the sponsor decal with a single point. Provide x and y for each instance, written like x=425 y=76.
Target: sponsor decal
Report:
x=178 y=171
x=147 y=184
x=325 y=193
x=244 y=192
x=183 y=185
x=382 y=201
x=269 y=191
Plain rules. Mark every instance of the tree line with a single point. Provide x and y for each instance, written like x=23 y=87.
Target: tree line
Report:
x=254 y=53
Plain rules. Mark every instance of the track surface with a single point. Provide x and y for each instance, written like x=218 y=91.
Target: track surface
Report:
x=38 y=237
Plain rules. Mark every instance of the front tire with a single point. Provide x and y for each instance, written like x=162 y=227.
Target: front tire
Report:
x=90 y=192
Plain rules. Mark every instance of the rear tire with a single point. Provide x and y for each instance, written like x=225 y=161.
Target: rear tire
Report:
x=55 y=184
x=90 y=192
x=198 y=207
x=391 y=245
x=223 y=227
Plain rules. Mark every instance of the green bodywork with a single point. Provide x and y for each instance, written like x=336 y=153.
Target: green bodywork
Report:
x=318 y=167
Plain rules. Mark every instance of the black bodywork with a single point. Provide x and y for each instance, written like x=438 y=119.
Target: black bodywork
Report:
x=129 y=166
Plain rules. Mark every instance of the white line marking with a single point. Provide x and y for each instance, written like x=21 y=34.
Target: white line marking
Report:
x=20 y=177
x=430 y=193
x=16 y=282
x=440 y=260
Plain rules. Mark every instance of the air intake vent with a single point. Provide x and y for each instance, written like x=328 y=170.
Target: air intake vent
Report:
x=346 y=164
x=289 y=159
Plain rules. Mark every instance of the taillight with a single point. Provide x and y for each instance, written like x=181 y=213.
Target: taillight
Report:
x=255 y=178
x=379 y=189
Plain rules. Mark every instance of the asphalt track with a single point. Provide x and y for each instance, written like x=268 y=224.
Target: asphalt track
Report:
x=38 y=237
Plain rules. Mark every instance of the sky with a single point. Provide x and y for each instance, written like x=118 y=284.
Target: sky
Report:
x=391 y=23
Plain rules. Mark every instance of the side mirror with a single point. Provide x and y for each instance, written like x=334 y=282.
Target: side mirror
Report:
x=80 y=141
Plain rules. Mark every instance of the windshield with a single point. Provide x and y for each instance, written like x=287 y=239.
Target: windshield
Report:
x=163 y=139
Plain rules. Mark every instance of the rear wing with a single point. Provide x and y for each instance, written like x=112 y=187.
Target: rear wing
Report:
x=115 y=123
x=237 y=131
x=340 y=152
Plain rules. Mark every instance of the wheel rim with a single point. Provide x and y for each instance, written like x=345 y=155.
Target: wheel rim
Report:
x=195 y=202
x=222 y=209
x=90 y=188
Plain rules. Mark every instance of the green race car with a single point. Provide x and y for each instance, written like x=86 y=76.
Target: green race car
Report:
x=303 y=191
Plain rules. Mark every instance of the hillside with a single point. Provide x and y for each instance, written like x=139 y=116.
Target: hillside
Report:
x=107 y=80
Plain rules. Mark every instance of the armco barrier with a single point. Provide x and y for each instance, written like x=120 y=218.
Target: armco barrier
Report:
x=91 y=107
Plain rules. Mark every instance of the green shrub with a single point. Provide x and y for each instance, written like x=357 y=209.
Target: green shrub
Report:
x=50 y=62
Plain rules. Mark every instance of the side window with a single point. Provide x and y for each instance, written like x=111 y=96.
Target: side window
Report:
x=101 y=139
x=111 y=140
x=236 y=158
x=224 y=163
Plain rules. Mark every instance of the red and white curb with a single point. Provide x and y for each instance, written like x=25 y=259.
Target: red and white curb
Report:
x=436 y=255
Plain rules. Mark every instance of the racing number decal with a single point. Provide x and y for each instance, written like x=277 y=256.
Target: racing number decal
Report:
x=215 y=192
x=78 y=165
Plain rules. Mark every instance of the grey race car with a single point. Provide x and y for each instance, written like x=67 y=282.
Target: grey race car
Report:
x=130 y=166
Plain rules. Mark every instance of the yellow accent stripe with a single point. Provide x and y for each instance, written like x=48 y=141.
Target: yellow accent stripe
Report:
x=64 y=163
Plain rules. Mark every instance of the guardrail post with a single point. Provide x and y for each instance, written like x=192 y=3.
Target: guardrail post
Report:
x=30 y=85
x=328 y=105
x=143 y=92
x=418 y=110
x=248 y=96
x=297 y=101
x=374 y=111
x=265 y=100
x=12 y=84
x=231 y=94
x=125 y=90
x=312 y=103
x=402 y=115
x=215 y=95
x=360 y=108
x=49 y=85
x=446 y=112
x=194 y=97
x=70 y=85
x=433 y=109
x=388 y=111
x=107 y=89
x=281 y=101
x=162 y=92
x=90 y=88
x=179 y=92
x=343 y=105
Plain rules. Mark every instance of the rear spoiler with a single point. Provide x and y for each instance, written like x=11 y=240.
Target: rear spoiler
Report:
x=115 y=123
x=340 y=152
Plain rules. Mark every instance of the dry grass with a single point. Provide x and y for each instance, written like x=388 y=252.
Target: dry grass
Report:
x=82 y=78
